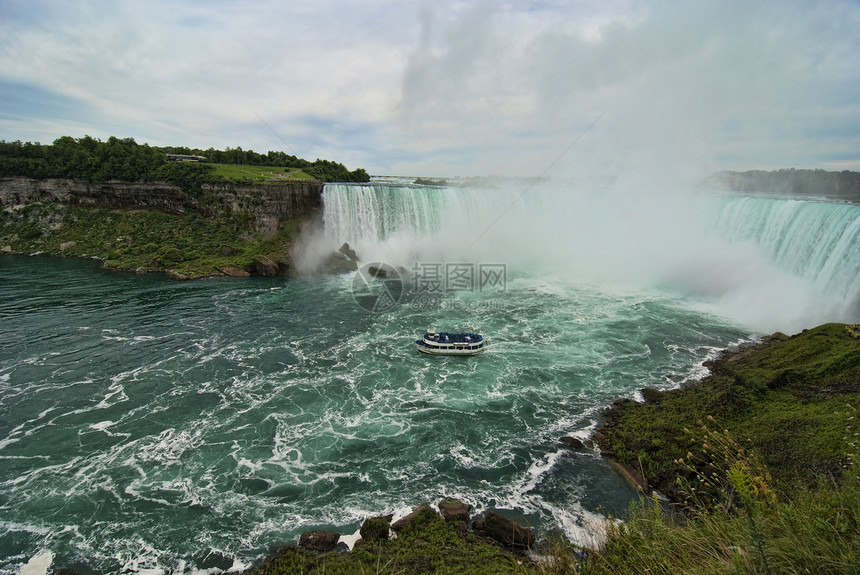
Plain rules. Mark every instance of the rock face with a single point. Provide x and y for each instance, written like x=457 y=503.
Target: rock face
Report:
x=321 y=541
x=454 y=510
x=269 y=204
x=404 y=522
x=505 y=531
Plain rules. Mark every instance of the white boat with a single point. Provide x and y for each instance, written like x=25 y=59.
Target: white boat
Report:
x=444 y=343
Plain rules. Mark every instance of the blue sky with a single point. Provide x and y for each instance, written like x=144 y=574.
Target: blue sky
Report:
x=447 y=88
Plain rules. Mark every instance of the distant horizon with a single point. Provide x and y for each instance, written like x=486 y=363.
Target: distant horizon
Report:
x=427 y=176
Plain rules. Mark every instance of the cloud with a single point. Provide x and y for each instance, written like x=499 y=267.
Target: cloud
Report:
x=448 y=88
x=681 y=83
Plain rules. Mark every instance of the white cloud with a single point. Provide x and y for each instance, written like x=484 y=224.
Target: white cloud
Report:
x=453 y=87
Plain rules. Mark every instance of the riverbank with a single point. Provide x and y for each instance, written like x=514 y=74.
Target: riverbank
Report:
x=791 y=400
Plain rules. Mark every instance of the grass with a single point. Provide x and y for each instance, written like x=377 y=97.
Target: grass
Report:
x=787 y=401
x=259 y=174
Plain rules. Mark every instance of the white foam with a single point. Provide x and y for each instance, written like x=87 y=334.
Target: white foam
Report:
x=350 y=540
x=39 y=564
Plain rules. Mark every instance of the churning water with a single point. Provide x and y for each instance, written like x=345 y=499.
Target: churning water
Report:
x=150 y=426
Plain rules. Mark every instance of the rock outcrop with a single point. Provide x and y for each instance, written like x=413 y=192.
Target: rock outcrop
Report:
x=505 y=531
x=320 y=541
x=268 y=204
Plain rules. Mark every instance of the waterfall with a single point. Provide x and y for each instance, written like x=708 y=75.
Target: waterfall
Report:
x=770 y=256
x=815 y=240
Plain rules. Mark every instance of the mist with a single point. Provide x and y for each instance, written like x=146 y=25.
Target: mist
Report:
x=624 y=235
x=613 y=119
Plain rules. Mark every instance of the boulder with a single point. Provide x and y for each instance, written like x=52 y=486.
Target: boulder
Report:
x=505 y=531
x=651 y=395
x=454 y=510
x=321 y=541
x=404 y=522
x=233 y=272
x=66 y=245
x=264 y=267
x=376 y=528
x=348 y=252
x=572 y=442
x=337 y=263
x=6 y=250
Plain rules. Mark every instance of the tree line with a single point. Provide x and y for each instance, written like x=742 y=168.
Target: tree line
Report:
x=844 y=185
x=124 y=159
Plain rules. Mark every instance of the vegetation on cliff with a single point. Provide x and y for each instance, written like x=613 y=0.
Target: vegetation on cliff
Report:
x=125 y=160
x=213 y=232
x=789 y=399
x=185 y=245
x=762 y=455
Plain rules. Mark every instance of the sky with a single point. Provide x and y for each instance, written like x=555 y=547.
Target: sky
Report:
x=447 y=88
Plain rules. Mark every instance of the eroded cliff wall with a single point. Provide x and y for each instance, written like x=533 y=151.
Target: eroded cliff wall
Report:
x=269 y=204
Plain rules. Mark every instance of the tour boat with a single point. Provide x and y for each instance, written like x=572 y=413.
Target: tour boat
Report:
x=443 y=343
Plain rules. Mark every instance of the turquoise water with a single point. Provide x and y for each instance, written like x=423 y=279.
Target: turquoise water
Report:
x=155 y=426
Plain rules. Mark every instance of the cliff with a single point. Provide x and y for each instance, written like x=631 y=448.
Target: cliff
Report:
x=210 y=229
x=268 y=204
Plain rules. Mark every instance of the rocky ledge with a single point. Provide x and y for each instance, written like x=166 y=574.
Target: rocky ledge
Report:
x=418 y=530
x=787 y=400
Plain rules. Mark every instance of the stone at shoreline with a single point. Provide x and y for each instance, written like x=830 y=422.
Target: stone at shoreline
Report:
x=320 y=541
x=572 y=442
x=454 y=510
x=505 y=531
x=264 y=267
x=234 y=272
x=404 y=522
x=6 y=250
x=66 y=245
x=651 y=395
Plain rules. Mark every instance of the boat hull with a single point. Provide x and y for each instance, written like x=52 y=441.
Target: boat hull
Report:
x=430 y=349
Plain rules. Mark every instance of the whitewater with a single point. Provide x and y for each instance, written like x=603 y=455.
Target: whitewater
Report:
x=155 y=426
